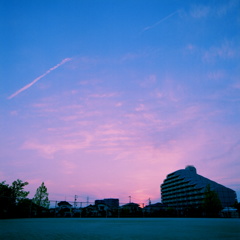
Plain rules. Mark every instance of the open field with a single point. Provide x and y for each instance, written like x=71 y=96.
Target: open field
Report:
x=120 y=228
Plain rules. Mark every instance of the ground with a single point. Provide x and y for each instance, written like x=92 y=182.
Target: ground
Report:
x=120 y=228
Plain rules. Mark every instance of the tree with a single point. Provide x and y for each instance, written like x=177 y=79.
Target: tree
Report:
x=237 y=206
x=10 y=197
x=17 y=189
x=7 y=203
x=5 y=190
x=41 y=197
x=212 y=204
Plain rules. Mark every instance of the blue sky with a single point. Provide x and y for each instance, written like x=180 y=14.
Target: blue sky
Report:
x=105 y=98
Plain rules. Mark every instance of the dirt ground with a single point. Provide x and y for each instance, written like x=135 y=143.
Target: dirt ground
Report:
x=120 y=228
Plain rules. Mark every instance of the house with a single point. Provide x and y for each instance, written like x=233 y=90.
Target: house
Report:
x=90 y=211
x=64 y=209
x=112 y=203
x=154 y=207
x=103 y=210
x=131 y=210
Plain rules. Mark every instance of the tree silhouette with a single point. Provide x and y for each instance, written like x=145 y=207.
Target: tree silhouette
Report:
x=11 y=197
x=212 y=204
x=41 y=197
x=17 y=189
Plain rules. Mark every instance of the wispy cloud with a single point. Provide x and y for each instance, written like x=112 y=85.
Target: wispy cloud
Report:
x=199 y=11
x=104 y=95
x=216 y=75
x=140 y=142
x=149 y=81
x=160 y=21
x=48 y=150
x=225 y=51
x=68 y=166
x=219 y=10
x=38 y=78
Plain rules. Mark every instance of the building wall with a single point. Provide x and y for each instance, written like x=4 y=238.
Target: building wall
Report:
x=185 y=187
x=111 y=202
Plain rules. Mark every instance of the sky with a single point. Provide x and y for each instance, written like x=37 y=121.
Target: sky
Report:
x=103 y=99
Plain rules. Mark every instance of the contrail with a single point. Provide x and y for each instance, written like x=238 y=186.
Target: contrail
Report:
x=38 y=78
x=162 y=20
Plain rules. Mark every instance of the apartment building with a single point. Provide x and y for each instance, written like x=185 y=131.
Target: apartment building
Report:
x=184 y=188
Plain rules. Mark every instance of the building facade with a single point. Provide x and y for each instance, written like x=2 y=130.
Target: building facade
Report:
x=112 y=203
x=185 y=188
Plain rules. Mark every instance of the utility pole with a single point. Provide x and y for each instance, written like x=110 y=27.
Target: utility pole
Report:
x=87 y=200
x=75 y=201
x=55 y=208
x=129 y=199
x=80 y=209
x=143 y=209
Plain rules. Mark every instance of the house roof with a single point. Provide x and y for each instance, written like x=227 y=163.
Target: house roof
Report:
x=64 y=203
x=131 y=205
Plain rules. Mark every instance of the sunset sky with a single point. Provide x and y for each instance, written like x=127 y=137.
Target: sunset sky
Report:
x=103 y=99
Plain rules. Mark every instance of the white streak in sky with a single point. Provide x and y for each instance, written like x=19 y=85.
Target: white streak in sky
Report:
x=38 y=78
x=160 y=21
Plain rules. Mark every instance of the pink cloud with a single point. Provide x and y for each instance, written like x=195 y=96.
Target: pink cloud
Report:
x=95 y=144
x=68 y=167
x=104 y=95
x=48 y=150
x=14 y=113
x=133 y=154
x=141 y=107
x=119 y=104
